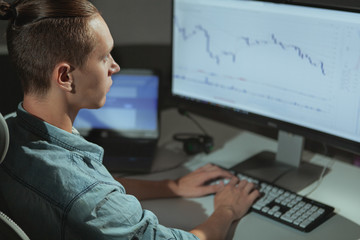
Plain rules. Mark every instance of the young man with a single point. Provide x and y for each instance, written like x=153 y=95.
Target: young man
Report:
x=52 y=182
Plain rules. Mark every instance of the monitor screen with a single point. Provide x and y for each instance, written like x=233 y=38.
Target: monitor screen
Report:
x=130 y=110
x=281 y=65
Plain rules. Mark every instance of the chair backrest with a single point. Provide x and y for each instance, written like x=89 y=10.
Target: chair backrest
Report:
x=4 y=138
x=8 y=228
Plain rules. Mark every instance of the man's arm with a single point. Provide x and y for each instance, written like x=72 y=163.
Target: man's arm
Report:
x=231 y=201
x=190 y=185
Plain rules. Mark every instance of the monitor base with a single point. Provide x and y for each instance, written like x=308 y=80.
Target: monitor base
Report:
x=265 y=167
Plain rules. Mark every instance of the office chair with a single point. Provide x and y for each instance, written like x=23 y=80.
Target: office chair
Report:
x=9 y=230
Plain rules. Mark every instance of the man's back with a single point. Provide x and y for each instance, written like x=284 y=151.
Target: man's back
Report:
x=43 y=178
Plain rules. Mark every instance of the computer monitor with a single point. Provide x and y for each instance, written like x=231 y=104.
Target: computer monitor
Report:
x=286 y=66
x=130 y=110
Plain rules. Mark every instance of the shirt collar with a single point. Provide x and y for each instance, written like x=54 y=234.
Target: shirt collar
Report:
x=54 y=135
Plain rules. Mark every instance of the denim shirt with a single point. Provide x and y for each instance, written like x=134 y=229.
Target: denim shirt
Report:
x=54 y=186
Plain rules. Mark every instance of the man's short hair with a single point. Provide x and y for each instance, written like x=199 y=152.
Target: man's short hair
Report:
x=43 y=33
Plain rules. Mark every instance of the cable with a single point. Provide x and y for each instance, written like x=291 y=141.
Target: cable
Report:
x=327 y=166
x=185 y=113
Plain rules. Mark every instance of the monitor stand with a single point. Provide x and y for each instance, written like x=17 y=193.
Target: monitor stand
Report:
x=284 y=168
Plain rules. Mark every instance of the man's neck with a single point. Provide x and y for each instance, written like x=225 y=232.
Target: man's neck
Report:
x=52 y=111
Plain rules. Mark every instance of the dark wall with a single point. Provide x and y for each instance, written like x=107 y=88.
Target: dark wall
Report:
x=10 y=90
x=155 y=57
x=131 y=21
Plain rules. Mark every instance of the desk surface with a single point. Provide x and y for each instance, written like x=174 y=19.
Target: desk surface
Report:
x=340 y=188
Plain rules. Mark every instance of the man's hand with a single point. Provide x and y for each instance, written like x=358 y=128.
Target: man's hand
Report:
x=194 y=183
x=231 y=203
x=236 y=196
x=190 y=185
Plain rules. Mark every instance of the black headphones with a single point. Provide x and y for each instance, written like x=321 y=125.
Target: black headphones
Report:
x=195 y=143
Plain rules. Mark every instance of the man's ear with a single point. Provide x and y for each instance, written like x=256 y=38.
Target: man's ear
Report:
x=63 y=78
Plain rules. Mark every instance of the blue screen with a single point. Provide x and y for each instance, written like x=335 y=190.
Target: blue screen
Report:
x=131 y=107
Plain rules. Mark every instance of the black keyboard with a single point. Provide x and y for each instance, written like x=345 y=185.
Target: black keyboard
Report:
x=288 y=207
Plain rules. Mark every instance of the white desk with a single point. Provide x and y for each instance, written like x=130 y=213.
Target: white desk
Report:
x=340 y=188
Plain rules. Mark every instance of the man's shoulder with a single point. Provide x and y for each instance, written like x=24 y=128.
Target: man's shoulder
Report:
x=47 y=169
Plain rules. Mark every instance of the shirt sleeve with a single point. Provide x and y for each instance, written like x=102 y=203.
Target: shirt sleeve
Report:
x=116 y=216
